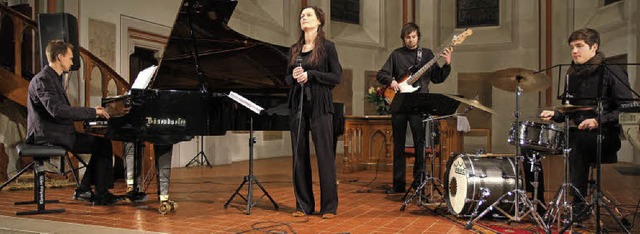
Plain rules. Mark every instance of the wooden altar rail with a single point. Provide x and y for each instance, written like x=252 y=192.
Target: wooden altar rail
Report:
x=368 y=143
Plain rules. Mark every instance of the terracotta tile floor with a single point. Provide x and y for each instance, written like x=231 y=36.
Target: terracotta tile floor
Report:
x=201 y=193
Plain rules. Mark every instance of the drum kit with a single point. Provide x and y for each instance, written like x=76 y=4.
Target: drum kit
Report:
x=479 y=184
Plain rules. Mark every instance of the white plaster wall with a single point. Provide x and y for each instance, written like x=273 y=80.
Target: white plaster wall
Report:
x=161 y=12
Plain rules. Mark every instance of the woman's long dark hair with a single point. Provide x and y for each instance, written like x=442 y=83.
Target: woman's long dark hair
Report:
x=318 y=49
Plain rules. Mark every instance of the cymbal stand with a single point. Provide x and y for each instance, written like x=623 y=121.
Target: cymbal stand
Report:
x=598 y=196
x=519 y=195
x=560 y=210
x=434 y=183
x=535 y=169
x=430 y=178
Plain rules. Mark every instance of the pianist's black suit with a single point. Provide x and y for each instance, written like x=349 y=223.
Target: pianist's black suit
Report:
x=317 y=109
x=50 y=121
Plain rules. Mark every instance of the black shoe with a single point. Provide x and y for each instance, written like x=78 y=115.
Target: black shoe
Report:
x=415 y=184
x=80 y=195
x=581 y=212
x=105 y=199
x=133 y=196
x=541 y=211
x=392 y=191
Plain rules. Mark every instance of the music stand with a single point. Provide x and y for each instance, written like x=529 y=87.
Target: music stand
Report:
x=201 y=158
x=250 y=178
x=425 y=104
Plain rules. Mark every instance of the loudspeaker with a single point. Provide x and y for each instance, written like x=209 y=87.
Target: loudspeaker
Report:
x=58 y=26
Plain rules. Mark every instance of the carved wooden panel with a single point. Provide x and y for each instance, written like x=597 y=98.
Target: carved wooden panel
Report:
x=368 y=143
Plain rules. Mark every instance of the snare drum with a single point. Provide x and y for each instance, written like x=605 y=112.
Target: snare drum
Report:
x=471 y=178
x=537 y=136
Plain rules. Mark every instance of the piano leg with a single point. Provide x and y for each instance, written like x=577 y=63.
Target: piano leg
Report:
x=163 y=168
x=133 y=162
x=167 y=206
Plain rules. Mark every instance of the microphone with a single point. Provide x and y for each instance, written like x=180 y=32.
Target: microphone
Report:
x=566 y=95
x=305 y=89
x=299 y=61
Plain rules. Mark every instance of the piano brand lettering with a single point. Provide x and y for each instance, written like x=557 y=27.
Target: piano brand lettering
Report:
x=166 y=121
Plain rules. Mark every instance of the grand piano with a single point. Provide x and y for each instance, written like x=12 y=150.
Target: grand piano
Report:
x=203 y=61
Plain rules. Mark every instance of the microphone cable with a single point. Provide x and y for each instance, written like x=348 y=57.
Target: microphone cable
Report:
x=295 y=162
x=366 y=188
x=267 y=229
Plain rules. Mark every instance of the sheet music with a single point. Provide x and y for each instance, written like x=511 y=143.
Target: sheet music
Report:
x=144 y=77
x=245 y=102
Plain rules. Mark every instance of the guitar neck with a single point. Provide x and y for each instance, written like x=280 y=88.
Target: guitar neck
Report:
x=421 y=71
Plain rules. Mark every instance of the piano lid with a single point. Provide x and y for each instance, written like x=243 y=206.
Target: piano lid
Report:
x=227 y=59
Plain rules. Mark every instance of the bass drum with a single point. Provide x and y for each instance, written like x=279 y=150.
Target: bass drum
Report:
x=471 y=178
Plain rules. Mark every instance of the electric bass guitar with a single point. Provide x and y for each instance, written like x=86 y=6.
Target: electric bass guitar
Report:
x=411 y=77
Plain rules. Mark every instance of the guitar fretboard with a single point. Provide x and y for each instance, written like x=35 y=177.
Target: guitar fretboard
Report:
x=418 y=74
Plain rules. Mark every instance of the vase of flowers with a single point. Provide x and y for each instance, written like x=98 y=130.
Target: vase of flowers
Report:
x=375 y=96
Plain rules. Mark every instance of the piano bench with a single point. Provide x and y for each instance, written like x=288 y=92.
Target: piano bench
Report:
x=39 y=153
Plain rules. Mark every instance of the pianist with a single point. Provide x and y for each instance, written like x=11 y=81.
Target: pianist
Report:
x=50 y=121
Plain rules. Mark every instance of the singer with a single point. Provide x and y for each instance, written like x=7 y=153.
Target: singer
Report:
x=313 y=71
x=588 y=74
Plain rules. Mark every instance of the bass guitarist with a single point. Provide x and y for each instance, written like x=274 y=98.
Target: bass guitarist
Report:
x=402 y=61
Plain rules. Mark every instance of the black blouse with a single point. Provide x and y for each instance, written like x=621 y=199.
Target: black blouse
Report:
x=402 y=59
x=321 y=80
x=584 y=90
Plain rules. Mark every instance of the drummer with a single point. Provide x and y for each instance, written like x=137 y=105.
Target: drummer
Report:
x=584 y=75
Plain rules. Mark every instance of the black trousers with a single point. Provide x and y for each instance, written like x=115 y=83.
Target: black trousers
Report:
x=399 y=126
x=99 y=171
x=584 y=154
x=321 y=128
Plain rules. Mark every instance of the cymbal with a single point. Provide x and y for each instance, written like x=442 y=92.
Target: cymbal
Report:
x=571 y=108
x=505 y=79
x=473 y=103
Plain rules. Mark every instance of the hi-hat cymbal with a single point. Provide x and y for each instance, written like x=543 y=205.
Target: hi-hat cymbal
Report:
x=571 y=108
x=473 y=103
x=506 y=79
